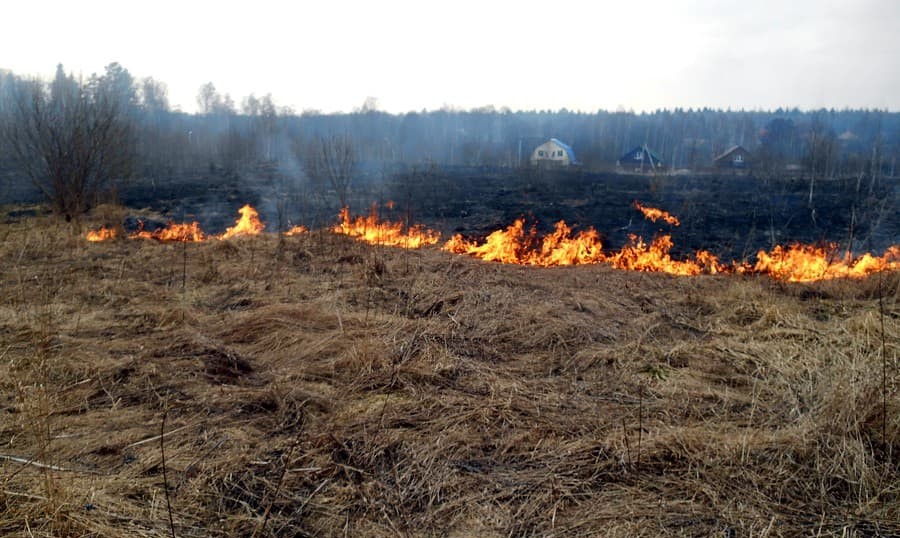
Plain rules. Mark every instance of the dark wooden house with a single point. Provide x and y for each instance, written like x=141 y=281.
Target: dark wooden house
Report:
x=734 y=158
x=641 y=159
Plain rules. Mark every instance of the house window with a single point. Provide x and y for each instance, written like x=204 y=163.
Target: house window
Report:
x=540 y=153
x=639 y=156
x=738 y=159
x=559 y=153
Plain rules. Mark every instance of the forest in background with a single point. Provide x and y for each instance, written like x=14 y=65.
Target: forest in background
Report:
x=112 y=127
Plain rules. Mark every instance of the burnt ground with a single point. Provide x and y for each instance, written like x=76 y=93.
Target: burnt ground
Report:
x=733 y=216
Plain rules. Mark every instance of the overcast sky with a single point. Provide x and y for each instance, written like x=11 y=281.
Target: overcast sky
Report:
x=332 y=54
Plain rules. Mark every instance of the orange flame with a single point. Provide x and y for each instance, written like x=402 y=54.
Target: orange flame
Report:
x=248 y=224
x=806 y=263
x=296 y=230
x=103 y=234
x=560 y=247
x=504 y=246
x=513 y=245
x=656 y=214
x=655 y=257
x=798 y=263
x=187 y=233
x=371 y=230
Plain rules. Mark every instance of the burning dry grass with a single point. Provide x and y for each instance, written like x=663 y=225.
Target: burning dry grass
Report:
x=512 y=245
x=373 y=230
x=794 y=263
x=317 y=385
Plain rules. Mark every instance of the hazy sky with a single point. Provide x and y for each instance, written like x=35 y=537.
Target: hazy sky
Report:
x=332 y=54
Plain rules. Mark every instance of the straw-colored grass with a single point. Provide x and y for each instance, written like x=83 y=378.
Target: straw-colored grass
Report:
x=317 y=386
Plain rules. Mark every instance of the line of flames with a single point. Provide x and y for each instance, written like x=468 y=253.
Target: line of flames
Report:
x=378 y=232
x=796 y=263
x=561 y=247
x=248 y=224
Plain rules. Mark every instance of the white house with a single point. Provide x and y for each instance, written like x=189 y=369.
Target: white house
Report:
x=553 y=152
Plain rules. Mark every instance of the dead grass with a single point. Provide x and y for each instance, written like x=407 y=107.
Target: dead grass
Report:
x=319 y=386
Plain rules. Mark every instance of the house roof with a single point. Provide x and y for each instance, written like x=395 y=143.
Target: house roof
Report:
x=653 y=155
x=569 y=151
x=729 y=151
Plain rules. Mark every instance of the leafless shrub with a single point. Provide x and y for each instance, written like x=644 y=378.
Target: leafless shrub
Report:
x=330 y=162
x=72 y=139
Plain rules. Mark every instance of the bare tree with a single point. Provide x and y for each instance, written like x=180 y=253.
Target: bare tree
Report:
x=208 y=99
x=331 y=162
x=7 y=83
x=819 y=152
x=154 y=95
x=71 y=139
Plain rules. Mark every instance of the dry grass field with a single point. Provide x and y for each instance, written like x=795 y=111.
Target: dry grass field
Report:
x=318 y=386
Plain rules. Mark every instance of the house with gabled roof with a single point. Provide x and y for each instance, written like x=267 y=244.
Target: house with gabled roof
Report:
x=734 y=158
x=641 y=159
x=553 y=153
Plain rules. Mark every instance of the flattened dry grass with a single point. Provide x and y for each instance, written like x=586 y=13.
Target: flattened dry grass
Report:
x=318 y=386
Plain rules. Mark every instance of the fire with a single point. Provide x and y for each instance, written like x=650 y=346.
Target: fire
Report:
x=296 y=230
x=504 y=246
x=103 y=234
x=655 y=257
x=187 y=233
x=797 y=263
x=562 y=248
x=656 y=214
x=806 y=263
x=371 y=230
x=513 y=245
x=247 y=224
x=516 y=245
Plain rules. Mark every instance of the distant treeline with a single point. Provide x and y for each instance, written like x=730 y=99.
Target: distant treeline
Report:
x=156 y=141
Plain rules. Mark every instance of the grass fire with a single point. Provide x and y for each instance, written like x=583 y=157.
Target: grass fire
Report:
x=562 y=247
x=377 y=232
x=326 y=379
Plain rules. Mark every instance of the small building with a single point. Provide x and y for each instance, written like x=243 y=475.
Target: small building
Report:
x=553 y=153
x=734 y=158
x=641 y=159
